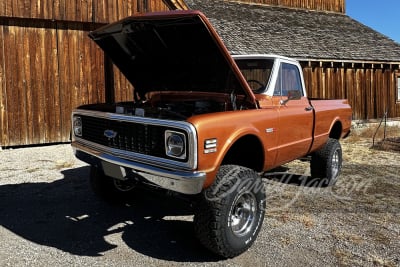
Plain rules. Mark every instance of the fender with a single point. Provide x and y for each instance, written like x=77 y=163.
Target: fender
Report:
x=227 y=128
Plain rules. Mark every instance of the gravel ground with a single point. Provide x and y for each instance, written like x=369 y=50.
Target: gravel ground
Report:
x=49 y=217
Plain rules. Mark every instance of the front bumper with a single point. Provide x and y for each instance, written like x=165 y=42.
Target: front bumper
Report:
x=186 y=182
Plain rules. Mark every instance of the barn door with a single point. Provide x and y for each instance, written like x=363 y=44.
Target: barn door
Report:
x=46 y=70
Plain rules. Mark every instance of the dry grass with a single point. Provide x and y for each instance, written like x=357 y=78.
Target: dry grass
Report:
x=343 y=257
x=383 y=138
x=370 y=130
x=358 y=215
x=378 y=261
x=307 y=220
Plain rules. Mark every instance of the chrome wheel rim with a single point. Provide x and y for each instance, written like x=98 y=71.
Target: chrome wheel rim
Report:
x=242 y=214
x=335 y=163
x=124 y=186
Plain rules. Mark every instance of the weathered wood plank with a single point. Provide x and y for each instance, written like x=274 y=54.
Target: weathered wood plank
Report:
x=387 y=93
x=23 y=62
x=36 y=113
x=20 y=84
x=86 y=7
x=368 y=94
x=396 y=74
x=48 y=83
x=12 y=108
x=342 y=84
x=65 y=72
x=30 y=47
x=3 y=11
x=97 y=60
x=3 y=92
x=379 y=94
x=100 y=8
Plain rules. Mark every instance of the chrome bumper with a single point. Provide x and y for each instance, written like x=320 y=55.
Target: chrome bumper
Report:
x=186 y=182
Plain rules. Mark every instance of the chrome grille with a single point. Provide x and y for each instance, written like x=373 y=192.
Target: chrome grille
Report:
x=129 y=136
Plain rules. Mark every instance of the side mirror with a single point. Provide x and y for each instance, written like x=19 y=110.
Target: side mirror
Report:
x=292 y=95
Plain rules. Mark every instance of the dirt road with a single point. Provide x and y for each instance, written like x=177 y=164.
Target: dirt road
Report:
x=49 y=217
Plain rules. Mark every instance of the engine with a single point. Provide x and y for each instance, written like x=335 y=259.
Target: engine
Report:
x=172 y=110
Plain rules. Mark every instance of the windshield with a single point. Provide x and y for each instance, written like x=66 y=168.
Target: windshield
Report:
x=257 y=72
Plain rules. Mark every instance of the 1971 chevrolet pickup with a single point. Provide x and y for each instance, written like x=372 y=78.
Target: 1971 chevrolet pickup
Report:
x=204 y=123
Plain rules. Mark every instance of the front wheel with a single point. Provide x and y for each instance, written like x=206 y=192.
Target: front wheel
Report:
x=231 y=211
x=326 y=163
x=109 y=189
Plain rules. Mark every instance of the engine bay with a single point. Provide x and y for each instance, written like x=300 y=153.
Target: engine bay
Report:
x=172 y=105
x=172 y=110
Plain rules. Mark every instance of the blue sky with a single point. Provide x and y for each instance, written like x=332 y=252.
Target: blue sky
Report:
x=382 y=16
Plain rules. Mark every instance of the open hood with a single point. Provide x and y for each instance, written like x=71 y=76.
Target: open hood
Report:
x=171 y=51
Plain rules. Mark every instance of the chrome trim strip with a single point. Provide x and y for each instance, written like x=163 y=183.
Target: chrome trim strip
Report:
x=132 y=156
x=182 y=125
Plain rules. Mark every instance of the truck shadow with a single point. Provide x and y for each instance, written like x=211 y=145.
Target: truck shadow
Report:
x=65 y=214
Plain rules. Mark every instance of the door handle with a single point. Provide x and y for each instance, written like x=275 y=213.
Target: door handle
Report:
x=309 y=108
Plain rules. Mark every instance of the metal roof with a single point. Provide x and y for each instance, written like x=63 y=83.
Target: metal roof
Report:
x=303 y=34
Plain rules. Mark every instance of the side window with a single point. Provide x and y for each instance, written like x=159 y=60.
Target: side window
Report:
x=288 y=80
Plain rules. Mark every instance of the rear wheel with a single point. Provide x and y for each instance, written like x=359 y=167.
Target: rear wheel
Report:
x=109 y=189
x=326 y=163
x=231 y=211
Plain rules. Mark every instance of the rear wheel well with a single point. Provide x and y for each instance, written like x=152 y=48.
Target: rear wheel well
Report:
x=247 y=152
x=336 y=131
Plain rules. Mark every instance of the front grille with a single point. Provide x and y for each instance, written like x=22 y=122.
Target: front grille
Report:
x=129 y=136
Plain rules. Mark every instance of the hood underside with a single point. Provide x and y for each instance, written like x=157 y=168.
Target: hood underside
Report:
x=174 y=51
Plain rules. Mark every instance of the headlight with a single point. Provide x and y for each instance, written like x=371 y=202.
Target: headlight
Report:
x=175 y=144
x=77 y=126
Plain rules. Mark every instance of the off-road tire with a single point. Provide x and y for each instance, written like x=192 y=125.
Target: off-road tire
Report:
x=230 y=213
x=326 y=163
x=109 y=189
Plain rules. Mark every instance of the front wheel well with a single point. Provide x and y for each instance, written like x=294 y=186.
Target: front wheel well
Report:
x=247 y=152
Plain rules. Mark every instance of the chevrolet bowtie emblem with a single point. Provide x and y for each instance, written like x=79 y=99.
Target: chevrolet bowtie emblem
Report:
x=110 y=134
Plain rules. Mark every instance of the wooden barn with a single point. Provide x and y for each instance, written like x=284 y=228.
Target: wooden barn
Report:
x=48 y=65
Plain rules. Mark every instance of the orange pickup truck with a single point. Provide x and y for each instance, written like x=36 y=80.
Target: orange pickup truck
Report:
x=204 y=123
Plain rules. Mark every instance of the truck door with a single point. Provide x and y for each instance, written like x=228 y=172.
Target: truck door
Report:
x=295 y=116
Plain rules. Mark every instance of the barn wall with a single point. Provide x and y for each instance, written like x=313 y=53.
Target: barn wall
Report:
x=48 y=69
x=370 y=88
x=48 y=65
x=97 y=11
x=325 y=5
